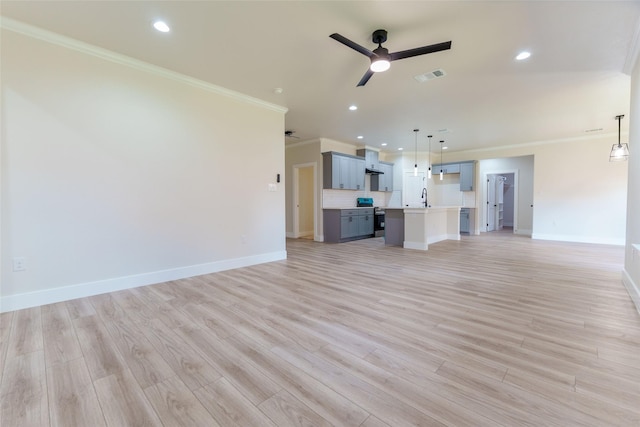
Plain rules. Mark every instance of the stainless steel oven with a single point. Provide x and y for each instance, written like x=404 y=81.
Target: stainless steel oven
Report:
x=378 y=222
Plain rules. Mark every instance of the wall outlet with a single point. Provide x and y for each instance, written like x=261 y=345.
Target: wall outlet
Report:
x=19 y=264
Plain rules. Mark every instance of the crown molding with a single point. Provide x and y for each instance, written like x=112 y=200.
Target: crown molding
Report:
x=634 y=51
x=88 y=49
x=302 y=143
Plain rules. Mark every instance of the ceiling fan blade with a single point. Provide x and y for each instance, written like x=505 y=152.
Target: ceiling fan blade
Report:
x=353 y=45
x=363 y=81
x=420 y=51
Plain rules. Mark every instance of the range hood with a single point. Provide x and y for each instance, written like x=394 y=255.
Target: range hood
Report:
x=370 y=161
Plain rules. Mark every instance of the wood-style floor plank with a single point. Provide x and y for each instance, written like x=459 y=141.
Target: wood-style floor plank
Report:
x=72 y=398
x=26 y=333
x=287 y=411
x=491 y=330
x=176 y=404
x=60 y=339
x=123 y=402
x=23 y=393
x=230 y=407
x=6 y=321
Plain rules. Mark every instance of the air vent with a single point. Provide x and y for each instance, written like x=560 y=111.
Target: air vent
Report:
x=430 y=75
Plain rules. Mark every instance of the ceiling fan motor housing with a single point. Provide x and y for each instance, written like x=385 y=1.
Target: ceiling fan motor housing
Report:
x=379 y=36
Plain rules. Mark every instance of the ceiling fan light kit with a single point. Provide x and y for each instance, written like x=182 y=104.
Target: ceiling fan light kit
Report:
x=380 y=57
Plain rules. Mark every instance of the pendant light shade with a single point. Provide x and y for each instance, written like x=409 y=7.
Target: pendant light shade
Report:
x=619 y=152
x=429 y=171
x=441 y=171
x=415 y=166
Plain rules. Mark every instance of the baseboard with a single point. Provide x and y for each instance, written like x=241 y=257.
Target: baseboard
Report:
x=65 y=293
x=579 y=239
x=293 y=235
x=421 y=246
x=632 y=288
x=523 y=232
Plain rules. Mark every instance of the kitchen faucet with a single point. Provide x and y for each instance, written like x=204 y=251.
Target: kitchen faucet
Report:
x=424 y=196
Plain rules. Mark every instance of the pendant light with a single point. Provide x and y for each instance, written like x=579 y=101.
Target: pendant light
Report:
x=415 y=166
x=619 y=152
x=441 y=171
x=429 y=172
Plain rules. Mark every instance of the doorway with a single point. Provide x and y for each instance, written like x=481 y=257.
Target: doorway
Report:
x=501 y=201
x=304 y=206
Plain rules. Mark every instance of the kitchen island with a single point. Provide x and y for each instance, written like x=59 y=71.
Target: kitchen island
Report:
x=417 y=228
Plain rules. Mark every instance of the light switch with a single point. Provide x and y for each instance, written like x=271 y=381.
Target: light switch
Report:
x=273 y=187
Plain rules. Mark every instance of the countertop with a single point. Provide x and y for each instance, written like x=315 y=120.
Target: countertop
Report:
x=354 y=207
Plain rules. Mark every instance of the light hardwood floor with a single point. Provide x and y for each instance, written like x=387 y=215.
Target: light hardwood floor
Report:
x=491 y=330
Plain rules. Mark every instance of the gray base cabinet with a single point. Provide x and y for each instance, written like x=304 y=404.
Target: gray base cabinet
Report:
x=343 y=225
x=465 y=215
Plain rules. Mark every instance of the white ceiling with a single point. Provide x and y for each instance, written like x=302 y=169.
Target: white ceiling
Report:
x=574 y=81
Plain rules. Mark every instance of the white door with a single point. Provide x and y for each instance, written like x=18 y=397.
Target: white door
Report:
x=412 y=190
x=491 y=202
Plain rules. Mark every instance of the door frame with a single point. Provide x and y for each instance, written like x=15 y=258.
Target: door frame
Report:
x=485 y=196
x=296 y=199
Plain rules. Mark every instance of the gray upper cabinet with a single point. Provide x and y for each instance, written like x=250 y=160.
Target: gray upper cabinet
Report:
x=446 y=168
x=467 y=171
x=383 y=182
x=467 y=175
x=342 y=171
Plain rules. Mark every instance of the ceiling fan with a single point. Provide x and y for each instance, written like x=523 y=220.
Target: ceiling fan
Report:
x=380 y=56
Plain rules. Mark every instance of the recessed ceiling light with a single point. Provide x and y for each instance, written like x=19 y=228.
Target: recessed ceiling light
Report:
x=360 y=136
x=384 y=144
x=523 y=55
x=444 y=148
x=161 y=26
x=353 y=107
x=400 y=149
x=278 y=90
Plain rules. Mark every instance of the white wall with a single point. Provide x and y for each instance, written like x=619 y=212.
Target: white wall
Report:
x=577 y=191
x=631 y=272
x=118 y=174
x=524 y=165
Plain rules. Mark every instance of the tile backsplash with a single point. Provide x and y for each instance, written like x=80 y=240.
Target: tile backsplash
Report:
x=347 y=198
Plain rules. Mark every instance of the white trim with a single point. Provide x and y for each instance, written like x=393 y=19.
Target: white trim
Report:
x=81 y=290
x=538 y=143
x=632 y=288
x=516 y=199
x=421 y=246
x=300 y=143
x=88 y=49
x=633 y=52
x=579 y=239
